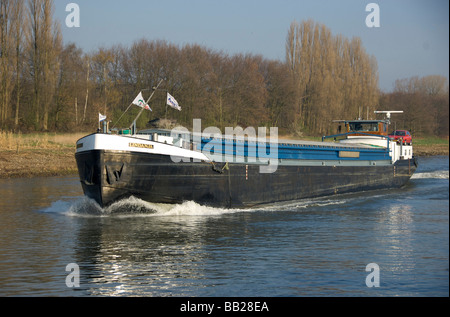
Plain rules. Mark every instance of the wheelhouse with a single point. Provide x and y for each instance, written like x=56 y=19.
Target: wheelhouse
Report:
x=376 y=127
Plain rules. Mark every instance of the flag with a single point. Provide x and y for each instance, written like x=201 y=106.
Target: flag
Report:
x=172 y=102
x=101 y=117
x=140 y=102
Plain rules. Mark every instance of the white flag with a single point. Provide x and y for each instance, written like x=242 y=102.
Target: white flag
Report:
x=101 y=117
x=172 y=102
x=140 y=102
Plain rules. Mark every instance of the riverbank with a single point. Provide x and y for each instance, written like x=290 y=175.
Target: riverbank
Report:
x=53 y=155
x=32 y=155
x=431 y=150
x=33 y=163
x=431 y=146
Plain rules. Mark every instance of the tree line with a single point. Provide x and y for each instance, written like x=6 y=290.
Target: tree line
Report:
x=334 y=77
x=425 y=102
x=48 y=86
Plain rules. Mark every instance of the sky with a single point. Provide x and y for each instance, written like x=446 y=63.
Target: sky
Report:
x=412 y=38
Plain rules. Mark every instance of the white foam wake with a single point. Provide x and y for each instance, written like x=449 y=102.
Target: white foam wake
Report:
x=436 y=175
x=134 y=207
x=85 y=207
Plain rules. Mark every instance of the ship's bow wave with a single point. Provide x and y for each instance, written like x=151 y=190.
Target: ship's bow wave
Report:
x=86 y=207
x=135 y=207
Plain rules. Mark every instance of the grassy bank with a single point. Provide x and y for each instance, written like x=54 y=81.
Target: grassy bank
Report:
x=430 y=146
x=43 y=154
x=51 y=154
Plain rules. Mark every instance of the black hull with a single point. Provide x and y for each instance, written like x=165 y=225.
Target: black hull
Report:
x=108 y=176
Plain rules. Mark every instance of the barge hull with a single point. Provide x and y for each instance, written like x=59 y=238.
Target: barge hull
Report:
x=108 y=176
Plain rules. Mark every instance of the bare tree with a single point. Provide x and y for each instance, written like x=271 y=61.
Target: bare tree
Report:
x=44 y=45
x=20 y=25
x=334 y=76
x=6 y=44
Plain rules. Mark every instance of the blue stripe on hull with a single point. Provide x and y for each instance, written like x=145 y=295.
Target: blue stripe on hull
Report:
x=292 y=151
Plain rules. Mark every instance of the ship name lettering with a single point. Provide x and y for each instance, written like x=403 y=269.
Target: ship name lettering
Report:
x=141 y=145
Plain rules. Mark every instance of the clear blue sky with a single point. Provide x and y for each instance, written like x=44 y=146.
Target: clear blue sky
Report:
x=412 y=40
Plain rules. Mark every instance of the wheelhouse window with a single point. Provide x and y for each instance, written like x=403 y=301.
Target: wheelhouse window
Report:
x=363 y=126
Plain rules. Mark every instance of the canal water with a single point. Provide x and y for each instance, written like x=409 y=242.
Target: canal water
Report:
x=55 y=242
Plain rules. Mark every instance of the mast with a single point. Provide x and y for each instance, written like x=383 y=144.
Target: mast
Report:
x=133 y=125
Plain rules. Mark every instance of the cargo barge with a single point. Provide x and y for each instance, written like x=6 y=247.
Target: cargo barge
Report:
x=234 y=171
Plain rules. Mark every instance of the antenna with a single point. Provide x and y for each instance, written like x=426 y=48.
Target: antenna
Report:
x=388 y=114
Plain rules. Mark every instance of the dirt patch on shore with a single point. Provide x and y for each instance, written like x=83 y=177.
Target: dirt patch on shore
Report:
x=30 y=163
x=430 y=150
